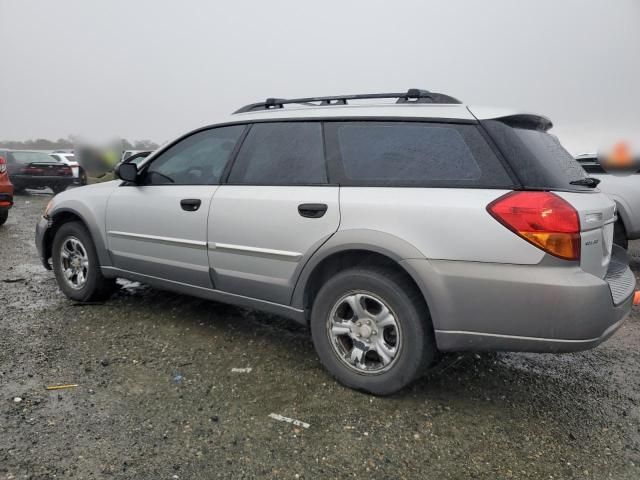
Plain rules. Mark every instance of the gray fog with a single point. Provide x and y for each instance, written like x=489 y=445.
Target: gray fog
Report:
x=155 y=69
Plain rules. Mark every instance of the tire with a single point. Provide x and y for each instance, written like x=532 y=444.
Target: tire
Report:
x=83 y=177
x=58 y=189
x=620 y=235
x=373 y=289
x=4 y=215
x=95 y=286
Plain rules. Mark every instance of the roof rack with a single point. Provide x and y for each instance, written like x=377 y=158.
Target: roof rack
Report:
x=413 y=95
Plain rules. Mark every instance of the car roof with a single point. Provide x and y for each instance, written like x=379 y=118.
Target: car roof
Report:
x=452 y=112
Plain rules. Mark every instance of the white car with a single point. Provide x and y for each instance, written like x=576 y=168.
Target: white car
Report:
x=128 y=153
x=79 y=175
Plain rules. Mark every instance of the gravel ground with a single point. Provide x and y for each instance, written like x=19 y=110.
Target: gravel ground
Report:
x=157 y=397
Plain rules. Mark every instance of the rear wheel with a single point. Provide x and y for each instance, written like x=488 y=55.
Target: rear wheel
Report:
x=58 y=188
x=83 y=177
x=76 y=266
x=372 y=331
x=4 y=214
x=620 y=235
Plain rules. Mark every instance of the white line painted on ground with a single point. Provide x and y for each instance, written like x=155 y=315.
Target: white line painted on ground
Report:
x=293 y=421
x=241 y=370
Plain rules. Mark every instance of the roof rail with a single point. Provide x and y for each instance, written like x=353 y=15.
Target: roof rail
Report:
x=413 y=95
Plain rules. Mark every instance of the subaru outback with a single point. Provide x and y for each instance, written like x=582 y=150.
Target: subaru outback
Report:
x=395 y=226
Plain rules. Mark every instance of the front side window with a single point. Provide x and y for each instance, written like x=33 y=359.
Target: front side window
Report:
x=414 y=154
x=286 y=153
x=197 y=160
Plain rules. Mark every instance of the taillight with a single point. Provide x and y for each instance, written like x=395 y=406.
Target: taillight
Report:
x=541 y=218
x=3 y=165
x=66 y=170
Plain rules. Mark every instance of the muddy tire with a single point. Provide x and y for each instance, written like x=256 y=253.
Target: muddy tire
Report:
x=372 y=331
x=76 y=265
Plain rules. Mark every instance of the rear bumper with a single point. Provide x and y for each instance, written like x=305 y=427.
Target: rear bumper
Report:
x=536 y=308
x=6 y=201
x=30 y=181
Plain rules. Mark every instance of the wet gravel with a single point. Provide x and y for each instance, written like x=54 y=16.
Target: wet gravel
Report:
x=157 y=397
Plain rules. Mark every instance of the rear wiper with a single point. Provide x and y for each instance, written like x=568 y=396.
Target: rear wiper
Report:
x=586 y=182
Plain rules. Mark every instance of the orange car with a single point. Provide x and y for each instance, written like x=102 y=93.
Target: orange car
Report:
x=6 y=192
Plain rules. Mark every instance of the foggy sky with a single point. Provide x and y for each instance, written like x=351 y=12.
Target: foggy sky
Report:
x=155 y=69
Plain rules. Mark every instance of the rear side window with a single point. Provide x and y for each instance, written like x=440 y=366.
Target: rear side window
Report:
x=286 y=153
x=414 y=154
x=537 y=156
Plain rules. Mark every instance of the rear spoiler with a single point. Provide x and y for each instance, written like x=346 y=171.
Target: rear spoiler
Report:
x=511 y=118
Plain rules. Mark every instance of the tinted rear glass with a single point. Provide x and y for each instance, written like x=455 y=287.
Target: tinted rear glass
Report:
x=415 y=154
x=537 y=157
x=29 y=157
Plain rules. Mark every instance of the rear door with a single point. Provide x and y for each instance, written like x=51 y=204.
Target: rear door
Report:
x=274 y=212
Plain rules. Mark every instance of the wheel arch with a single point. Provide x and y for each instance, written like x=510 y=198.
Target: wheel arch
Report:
x=68 y=214
x=349 y=249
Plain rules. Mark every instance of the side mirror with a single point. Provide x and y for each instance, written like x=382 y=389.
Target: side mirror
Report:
x=127 y=172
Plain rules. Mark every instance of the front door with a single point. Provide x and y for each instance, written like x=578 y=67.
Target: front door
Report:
x=158 y=227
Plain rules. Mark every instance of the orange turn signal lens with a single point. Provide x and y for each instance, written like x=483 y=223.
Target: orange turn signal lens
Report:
x=636 y=298
x=563 y=245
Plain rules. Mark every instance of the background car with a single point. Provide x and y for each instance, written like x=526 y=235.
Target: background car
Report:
x=79 y=175
x=625 y=191
x=6 y=192
x=34 y=169
x=128 y=153
x=138 y=157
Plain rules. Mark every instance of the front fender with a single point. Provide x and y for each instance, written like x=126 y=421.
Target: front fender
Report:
x=89 y=204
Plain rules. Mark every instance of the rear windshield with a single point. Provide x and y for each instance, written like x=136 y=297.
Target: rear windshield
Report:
x=414 y=154
x=538 y=158
x=29 y=157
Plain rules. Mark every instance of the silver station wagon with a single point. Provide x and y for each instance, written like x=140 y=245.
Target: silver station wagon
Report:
x=394 y=225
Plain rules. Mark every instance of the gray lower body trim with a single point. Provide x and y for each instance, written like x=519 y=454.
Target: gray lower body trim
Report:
x=493 y=341
x=209 y=294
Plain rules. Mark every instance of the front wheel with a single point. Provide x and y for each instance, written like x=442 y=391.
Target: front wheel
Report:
x=372 y=331
x=4 y=215
x=76 y=266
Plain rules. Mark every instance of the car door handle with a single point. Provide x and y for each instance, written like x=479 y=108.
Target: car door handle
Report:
x=312 y=210
x=190 y=204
